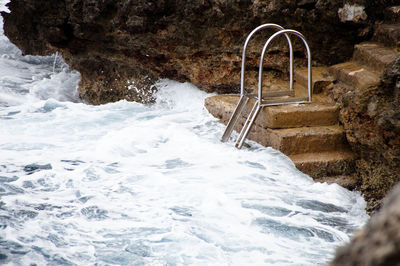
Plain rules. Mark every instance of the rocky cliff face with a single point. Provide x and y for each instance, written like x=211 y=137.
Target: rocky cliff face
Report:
x=372 y=121
x=371 y=114
x=121 y=47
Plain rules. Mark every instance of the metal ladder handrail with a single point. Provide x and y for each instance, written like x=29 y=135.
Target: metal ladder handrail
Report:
x=243 y=100
x=291 y=65
x=309 y=74
x=259 y=103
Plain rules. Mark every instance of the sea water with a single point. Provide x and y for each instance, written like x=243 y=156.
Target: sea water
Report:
x=131 y=184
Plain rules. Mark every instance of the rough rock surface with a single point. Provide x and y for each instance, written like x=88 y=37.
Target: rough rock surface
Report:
x=378 y=244
x=371 y=118
x=121 y=47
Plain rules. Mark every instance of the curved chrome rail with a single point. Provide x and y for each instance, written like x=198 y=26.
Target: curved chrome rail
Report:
x=291 y=65
x=260 y=103
x=243 y=100
x=260 y=71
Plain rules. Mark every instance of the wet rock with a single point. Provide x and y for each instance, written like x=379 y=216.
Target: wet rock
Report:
x=377 y=244
x=115 y=43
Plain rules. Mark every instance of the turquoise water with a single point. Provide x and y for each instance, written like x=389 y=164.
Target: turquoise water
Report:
x=130 y=184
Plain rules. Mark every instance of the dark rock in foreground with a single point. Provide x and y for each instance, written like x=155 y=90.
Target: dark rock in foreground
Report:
x=378 y=244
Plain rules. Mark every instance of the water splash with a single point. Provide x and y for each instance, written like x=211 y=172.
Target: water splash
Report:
x=125 y=183
x=3 y=7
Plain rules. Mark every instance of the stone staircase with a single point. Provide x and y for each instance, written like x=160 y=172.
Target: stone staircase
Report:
x=388 y=32
x=370 y=59
x=310 y=134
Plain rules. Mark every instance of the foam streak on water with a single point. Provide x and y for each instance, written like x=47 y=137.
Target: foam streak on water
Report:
x=128 y=184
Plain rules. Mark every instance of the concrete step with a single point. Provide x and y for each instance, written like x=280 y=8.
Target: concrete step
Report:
x=374 y=55
x=305 y=139
x=276 y=84
x=323 y=164
x=355 y=75
x=392 y=14
x=388 y=34
x=318 y=113
x=320 y=78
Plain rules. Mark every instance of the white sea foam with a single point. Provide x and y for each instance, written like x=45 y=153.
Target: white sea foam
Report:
x=129 y=184
x=3 y=6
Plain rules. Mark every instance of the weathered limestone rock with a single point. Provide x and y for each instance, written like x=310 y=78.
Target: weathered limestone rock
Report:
x=370 y=103
x=378 y=244
x=121 y=47
x=374 y=132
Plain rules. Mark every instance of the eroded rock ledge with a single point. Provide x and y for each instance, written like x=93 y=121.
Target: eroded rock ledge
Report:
x=372 y=122
x=121 y=47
